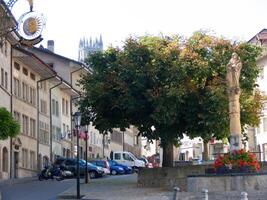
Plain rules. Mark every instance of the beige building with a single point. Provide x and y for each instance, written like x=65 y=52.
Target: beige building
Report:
x=7 y=39
x=63 y=98
x=28 y=70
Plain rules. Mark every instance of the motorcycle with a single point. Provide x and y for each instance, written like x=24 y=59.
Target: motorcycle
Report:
x=51 y=172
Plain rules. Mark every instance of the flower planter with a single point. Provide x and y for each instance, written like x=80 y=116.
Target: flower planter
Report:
x=226 y=170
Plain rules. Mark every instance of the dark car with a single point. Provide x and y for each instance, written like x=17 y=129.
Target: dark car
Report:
x=102 y=163
x=70 y=164
x=127 y=169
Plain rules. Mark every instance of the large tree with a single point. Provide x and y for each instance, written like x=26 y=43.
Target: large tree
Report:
x=206 y=58
x=140 y=84
x=9 y=127
x=176 y=86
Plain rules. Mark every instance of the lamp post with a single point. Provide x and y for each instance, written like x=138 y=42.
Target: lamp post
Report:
x=86 y=158
x=77 y=122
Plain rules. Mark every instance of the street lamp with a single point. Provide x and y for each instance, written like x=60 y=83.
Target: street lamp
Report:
x=77 y=122
x=86 y=158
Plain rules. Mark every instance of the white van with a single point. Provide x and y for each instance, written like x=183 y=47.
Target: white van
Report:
x=128 y=159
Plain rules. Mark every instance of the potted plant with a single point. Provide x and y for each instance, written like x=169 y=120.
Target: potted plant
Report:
x=240 y=161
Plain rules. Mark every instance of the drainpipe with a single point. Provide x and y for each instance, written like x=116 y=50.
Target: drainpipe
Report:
x=38 y=116
x=50 y=99
x=74 y=72
x=71 y=125
x=11 y=110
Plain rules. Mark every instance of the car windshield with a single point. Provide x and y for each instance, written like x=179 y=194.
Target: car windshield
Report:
x=84 y=162
x=133 y=156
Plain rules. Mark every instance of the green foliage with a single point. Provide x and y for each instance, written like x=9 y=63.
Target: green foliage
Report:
x=9 y=127
x=178 y=86
x=206 y=58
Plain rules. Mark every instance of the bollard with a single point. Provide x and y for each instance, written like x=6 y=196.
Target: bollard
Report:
x=175 y=194
x=205 y=194
x=244 y=196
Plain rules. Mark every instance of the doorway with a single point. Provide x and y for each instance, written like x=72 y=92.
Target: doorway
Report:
x=16 y=164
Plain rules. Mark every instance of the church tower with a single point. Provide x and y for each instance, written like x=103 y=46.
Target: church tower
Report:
x=88 y=47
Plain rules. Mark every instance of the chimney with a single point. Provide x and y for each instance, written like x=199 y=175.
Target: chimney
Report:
x=50 y=45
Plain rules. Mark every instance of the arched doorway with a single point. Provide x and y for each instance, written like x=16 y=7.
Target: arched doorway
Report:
x=5 y=160
x=16 y=149
x=45 y=161
x=39 y=162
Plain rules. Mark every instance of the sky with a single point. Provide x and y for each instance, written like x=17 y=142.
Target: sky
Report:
x=69 y=20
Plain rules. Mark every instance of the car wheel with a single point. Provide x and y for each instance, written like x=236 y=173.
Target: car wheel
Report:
x=92 y=174
x=113 y=172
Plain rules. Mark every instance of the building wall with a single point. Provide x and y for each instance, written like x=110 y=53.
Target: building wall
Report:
x=44 y=123
x=260 y=140
x=5 y=90
x=26 y=112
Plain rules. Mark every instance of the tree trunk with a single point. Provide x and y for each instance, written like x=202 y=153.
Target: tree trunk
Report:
x=206 y=151
x=167 y=155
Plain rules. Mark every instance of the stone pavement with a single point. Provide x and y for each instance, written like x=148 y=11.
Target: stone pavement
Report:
x=122 y=187
x=125 y=188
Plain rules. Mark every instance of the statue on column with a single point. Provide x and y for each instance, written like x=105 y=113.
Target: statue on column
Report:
x=233 y=75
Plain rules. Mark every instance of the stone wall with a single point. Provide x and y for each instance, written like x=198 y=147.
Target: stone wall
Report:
x=224 y=183
x=169 y=177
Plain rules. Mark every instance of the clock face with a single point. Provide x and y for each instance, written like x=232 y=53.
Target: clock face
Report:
x=31 y=25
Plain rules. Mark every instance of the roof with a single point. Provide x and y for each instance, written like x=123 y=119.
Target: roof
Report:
x=33 y=61
x=255 y=36
x=44 y=50
x=40 y=67
x=11 y=34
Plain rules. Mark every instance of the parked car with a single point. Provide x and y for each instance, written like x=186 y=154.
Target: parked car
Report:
x=128 y=159
x=71 y=165
x=127 y=169
x=102 y=163
x=147 y=164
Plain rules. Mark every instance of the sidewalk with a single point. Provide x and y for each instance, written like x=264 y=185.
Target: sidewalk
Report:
x=117 y=188
x=17 y=181
x=125 y=188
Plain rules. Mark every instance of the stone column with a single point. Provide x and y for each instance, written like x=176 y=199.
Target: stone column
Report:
x=233 y=73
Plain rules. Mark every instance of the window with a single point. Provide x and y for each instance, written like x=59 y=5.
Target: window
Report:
x=25 y=71
x=6 y=80
x=5 y=160
x=32 y=160
x=25 y=92
x=57 y=107
x=117 y=156
x=53 y=106
x=44 y=133
x=2 y=77
x=16 y=87
x=24 y=158
x=265 y=124
x=32 y=96
x=25 y=123
x=63 y=106
x=17 y=66
x=67 y=107
x=32 y=127
x=43 y=107
x=32 y=76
